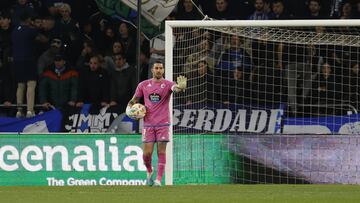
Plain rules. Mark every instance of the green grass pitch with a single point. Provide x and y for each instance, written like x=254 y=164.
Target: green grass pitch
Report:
x=190 y=193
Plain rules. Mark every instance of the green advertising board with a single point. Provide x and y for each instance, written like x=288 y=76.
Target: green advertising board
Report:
x=104 y=159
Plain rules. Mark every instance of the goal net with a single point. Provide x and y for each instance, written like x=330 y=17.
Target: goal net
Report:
x=267 y=101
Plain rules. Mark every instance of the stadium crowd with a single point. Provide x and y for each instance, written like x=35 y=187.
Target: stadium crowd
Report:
x=66 y=53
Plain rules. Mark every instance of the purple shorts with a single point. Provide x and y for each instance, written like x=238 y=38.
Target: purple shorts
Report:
x=155 y=134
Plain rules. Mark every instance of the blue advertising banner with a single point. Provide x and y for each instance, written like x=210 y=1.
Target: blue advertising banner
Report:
x=47 y=122
x=349 y=124
x=217 y=118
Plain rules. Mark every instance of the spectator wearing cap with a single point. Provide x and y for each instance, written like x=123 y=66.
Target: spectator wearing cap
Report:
x=47 y=58
x=23 y=38
x=59 y=85
x=94 y=84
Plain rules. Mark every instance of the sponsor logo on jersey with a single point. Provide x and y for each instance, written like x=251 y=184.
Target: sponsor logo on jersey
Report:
x=154 y=97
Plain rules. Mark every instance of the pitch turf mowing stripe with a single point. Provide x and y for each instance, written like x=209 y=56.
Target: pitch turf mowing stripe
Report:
x=194 y=193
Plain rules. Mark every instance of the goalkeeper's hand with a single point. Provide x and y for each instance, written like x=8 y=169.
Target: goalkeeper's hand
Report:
x=181 y=83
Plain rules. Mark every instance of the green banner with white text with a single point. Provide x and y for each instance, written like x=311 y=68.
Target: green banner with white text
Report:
x=103 y=159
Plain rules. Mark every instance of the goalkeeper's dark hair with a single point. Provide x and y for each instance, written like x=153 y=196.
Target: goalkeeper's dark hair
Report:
x=158 y=61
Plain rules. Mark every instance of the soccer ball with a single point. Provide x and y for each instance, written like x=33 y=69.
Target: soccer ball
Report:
x=138 y=111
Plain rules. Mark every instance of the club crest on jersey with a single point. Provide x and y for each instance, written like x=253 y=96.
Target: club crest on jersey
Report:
x=154 y=97
x=162 y=86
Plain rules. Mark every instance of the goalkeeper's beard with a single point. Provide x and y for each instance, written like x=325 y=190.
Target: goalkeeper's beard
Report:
x=158 y=76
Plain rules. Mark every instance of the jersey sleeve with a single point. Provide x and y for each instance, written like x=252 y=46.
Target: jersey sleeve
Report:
x=139 y=91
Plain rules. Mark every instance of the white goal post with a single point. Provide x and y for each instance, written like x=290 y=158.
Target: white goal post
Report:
x=278 y=32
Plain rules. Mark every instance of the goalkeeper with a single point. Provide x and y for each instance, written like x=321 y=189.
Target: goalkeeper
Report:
x=156 y=92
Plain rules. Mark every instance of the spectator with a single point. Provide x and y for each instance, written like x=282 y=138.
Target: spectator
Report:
x=50 y=29
x=47 y=58
x=83 y=9
x=202 y=51
x=295 y=61
x=94 y=84
x=233 y=57
x=260 y=11
x=201 y=87
x=235 y=89
x=314 y=10
x=157 y=51
x=222 y=10
x=187 y=11
x=128 y=42
x=144 y=66
x=278 y=11
x=117 y=48
x=37 y=22
x=103 y=31
x=88 y=50
x=324 y=89
x=357 y=11
x=22 y=6
x=7 y=81
x=59 y=85
x=70 y=32
x=104 y=40
x=87 y=32
x=355 y=85
x=346 y=11
x=123 y=82
x=53 y=7
x=24 y=65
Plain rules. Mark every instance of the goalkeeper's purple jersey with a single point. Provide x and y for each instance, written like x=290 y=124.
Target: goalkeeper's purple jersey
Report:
x=156 y=97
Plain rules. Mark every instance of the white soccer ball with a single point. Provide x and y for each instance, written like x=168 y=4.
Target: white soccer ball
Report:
x=138 y=111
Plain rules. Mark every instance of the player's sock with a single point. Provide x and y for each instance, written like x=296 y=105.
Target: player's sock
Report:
x=161 y=166
x=147 y=162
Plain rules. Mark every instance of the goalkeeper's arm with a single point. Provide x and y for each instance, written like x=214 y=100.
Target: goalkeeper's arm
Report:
x=181 y=83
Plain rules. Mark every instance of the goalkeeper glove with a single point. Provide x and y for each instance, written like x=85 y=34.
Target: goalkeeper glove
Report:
x=181 y=82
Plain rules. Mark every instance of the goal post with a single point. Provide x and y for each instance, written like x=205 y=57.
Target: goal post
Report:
x=266 y=101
